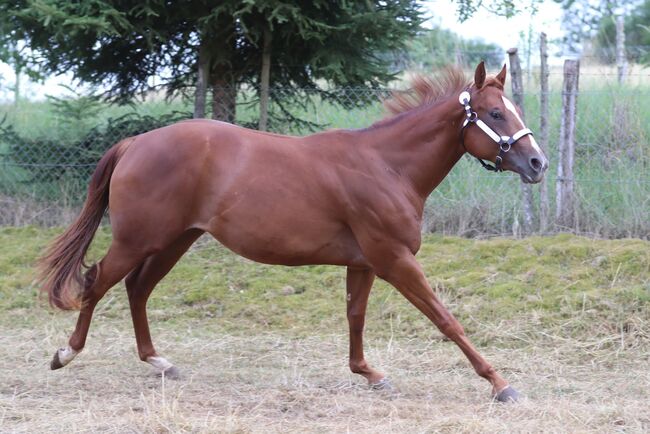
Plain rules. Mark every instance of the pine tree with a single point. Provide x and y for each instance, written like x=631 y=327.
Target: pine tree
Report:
x=120 y=45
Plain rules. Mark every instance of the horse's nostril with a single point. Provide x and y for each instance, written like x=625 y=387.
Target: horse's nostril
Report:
x=536 y=164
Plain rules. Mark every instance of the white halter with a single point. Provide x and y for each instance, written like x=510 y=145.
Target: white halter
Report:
x=504 y=142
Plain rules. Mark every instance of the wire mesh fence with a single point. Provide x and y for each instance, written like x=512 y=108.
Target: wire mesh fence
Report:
x=47 y=156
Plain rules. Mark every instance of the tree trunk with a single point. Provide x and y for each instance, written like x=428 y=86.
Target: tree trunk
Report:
x=202 y=76
x=265 y=80
x=224 y=104
x=224 y=94
x=518 y=95
x=18 y=71
x=222 y=77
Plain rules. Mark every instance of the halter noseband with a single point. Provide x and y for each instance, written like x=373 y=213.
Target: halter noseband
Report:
x=504 y=142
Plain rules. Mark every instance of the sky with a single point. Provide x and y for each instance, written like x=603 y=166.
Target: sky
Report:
x=499 y=30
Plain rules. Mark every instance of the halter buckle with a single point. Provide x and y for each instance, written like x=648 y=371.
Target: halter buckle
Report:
x=464 y=98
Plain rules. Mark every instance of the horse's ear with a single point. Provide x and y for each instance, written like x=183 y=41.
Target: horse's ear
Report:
x=479 y=75
x=502 y=75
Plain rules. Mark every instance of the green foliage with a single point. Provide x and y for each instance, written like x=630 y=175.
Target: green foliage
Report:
x=438 y=47
x=581 y=17
x=77 y=112
x=584 y=19
x=506 y=8
x=637 y=35
x=121 y=44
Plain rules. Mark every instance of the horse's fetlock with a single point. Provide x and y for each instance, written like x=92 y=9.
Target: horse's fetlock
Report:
x=358 y=366
x=486 y=371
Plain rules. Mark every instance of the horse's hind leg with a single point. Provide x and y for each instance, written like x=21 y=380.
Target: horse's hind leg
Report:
x=359 y=283
x=139 y=285
x=119 y=260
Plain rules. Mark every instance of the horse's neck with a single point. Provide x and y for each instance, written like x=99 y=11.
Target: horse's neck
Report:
x=422 y=144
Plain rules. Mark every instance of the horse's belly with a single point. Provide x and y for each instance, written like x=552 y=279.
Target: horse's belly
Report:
x=288 y=241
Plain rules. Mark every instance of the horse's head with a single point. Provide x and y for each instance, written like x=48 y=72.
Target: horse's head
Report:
x=494 y=130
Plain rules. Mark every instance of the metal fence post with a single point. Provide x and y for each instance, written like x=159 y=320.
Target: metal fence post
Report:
x=518 y=96
x=565 y=211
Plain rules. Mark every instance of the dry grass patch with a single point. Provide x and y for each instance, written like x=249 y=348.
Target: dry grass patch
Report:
x=273 y=383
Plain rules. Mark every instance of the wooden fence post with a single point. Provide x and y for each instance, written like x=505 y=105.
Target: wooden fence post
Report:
x=543 y=131
x=565 y=211
x=518 y=96
x=621 y=61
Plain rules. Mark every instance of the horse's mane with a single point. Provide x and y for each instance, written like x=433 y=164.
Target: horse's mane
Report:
x=426 y=90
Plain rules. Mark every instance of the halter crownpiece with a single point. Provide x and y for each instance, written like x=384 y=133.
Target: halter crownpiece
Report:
x=504 y=142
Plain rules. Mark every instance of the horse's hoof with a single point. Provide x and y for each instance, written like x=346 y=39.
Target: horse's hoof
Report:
x=509 y=394
x=171 y=373
x=383 y=384
x=56 y=362
x=62 y=357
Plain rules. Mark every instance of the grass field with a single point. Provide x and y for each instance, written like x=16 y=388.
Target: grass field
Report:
x=264 y=349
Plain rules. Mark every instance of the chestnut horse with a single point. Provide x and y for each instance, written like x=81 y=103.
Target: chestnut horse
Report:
x=344 y=197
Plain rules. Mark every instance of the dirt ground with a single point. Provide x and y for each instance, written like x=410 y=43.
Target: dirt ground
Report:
x=274 y=382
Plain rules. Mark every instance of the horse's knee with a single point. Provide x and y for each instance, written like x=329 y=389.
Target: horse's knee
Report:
x=356 y=320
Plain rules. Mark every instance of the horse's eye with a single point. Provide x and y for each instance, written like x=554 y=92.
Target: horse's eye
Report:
x=495 y=114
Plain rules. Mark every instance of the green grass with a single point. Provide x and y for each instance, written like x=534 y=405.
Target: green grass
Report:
x=552 y=279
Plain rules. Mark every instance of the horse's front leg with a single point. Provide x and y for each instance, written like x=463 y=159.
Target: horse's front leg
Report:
x=358 y=283
x=405 y=273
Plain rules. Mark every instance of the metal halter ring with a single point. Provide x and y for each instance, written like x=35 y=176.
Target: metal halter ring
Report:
x=505 y=146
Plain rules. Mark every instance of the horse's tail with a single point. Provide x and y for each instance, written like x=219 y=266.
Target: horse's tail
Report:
x=62 y=264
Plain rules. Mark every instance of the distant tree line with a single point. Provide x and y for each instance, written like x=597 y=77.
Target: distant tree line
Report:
x=438 y=47
x=637 y=35
x=593 y=21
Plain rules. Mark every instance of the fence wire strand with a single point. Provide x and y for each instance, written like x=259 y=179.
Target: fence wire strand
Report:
x=48 y=162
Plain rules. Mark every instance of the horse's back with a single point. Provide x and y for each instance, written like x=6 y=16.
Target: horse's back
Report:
x=271 y=198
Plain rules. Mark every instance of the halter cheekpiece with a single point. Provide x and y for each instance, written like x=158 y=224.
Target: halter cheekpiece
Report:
x=504 y=142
